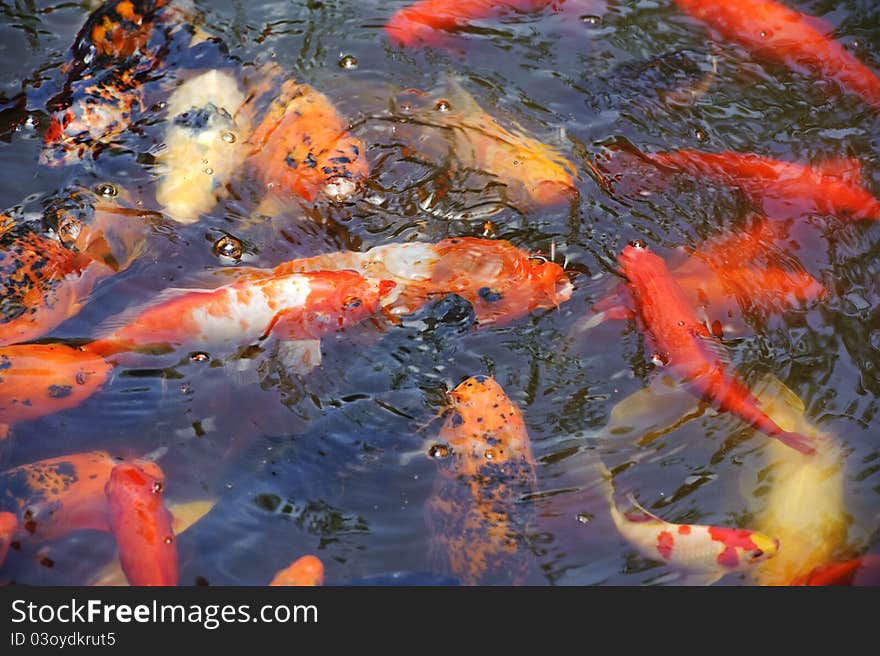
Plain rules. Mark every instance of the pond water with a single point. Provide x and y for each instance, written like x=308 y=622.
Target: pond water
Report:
x=335 y=462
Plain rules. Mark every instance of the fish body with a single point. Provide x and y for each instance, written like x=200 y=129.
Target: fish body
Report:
x=305 y=571
x=302 y=147
x=476 y=515
x=141 y=525
x=864 y=570
x=424 y=23
x=290 y=307
x=777 y=33
x=501 y=281
x=834 y=187
x=8 y=529
x=40 y=379
x=204 y=144
x=701 y=551
x=685 y=345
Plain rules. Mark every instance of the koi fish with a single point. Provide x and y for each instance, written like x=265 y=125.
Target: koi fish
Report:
x=302 y=306
x=305 y=571
x=48 y=268
x=8 y=528
x=778 y=33
x=121 y=44
x=686 y=346
x=785 y=189
x=704 y=553
x=533 y=171
x=40 y=379
x=142 y=526
x=475 y=515
x=423 y=23
x=204 y=144
x=501 y=281
x=303 y=147
x=864 y=570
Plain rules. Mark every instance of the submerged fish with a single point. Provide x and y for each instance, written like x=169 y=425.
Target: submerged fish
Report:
x=476 y=515
x=302 y=306
x=8 y=528
x=305 y=571
x=704 y=553
x=141 y=525
x=303 y=147
x=501 y=281
x=864 y=570
x=775 y=32
x=204 y=144
x=685 y=346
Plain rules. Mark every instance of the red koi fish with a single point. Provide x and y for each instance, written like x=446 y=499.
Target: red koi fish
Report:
x=501 y=281
x=8 y=528
x=423 y=23
x=142 y=526
x=858 y=571
x=49 y=268
x=704 y=553
x=686 y=346
x=305 y=571
x=833 y=188
x=780 y=34
x=474 y=515
x=303 y=147
x=40 y=379
x=291 y=307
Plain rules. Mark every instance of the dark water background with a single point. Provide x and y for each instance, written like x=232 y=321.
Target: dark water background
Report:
x=333 y=463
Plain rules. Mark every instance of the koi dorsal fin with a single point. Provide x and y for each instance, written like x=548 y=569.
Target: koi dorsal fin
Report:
x=846 y=168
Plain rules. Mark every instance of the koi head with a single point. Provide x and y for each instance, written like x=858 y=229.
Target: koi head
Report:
x=742 y=548
x=306 y=571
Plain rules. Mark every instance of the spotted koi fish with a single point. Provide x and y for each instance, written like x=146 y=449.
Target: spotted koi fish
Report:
x=302 y=306
x=864 y=570
x=141 y=524
x=48 y=268
x=204 y=144
x=40 y=379
x=534 y=172
x=705 y=553
x=777 y=33
x=686 y=347
x=120 y=45
x=424 y=23
x=475 y=515
x=302 y=147
x=305 y=571
x=501 y=281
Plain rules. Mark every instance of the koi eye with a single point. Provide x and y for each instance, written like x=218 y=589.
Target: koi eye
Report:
x=107 y=190
x=228 y=246
x=757 y=553
x=352 y=303
x=639 y=244
x=538 y=260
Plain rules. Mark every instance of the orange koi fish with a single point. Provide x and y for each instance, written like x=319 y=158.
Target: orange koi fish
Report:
x=533 y=171
x=49 y=268
x=864 y=570
x=778 y=33
x=142 y=526
x=8 y=528
x=501 y=281
x=684 y=344
x=704 y=553
x=305 y=571
x=40 y=379
x=475 y=515
x=423 y=23
x=834 y=187
x=299 y=306
x=303 y=147
x=120 y=45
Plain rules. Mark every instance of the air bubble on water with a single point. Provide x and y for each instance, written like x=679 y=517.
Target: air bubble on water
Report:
x=229 y=137
x=591 y=19
x=700 y=135
x=209 y=171
x=639 y=244
x=198 y=356
x=490 y=454
x=440 y=451
x=584 y=517
x=443 y=105
x=348 y=62
x=228 y=246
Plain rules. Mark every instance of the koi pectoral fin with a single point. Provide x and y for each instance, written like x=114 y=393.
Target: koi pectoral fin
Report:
x=300 y=355
x=802 y=443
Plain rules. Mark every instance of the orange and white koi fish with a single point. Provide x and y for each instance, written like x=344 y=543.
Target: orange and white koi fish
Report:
x=302 y=306
x=305 y=571
x=424 y=23
x=48 y=268
x=783 y=188
x=40 y=379
x=142 y=525
x=501 y=281
x=534 y=172
x=204 y=144
x=475 y=515
x=864 y=570
x=704 y=553
x=8 y=529
x=777 y=33
x=302 y=147
x=685 y=345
